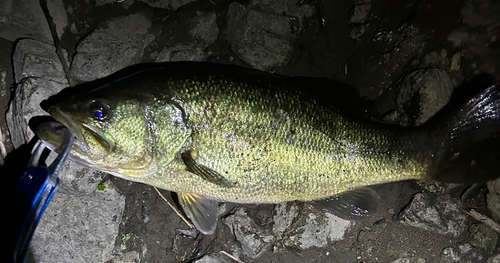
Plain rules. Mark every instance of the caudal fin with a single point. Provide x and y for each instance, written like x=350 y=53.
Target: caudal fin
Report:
x=470 y=150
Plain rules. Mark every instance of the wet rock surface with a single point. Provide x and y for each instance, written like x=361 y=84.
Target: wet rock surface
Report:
x=461 y=253
x=253 y=239
x=26 y=105
x=106 y=50
x=483 y=237
x=260 y=39
x=421 y=94
x=97 y=212
x=25 y=19
x=437 y=213
x=408 y=59
x=493 y=199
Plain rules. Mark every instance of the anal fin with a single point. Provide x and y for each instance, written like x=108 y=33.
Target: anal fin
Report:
x=351 y=205
x=202 y=211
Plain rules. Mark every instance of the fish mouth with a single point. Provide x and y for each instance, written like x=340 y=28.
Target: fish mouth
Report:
x=82 y=151
x=50 y=135
x=66 y=120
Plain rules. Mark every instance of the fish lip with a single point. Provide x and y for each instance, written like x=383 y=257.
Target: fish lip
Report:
x=66 y=120
x=45 y=129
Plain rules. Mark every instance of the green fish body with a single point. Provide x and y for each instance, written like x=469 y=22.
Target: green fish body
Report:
x=220 y=133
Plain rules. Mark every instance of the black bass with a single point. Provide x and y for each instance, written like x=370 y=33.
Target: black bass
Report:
x=214 y=133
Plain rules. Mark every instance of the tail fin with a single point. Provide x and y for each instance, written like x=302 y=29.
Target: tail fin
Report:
x=470 y=151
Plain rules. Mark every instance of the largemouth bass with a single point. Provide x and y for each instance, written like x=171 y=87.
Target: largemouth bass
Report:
x=222 y=133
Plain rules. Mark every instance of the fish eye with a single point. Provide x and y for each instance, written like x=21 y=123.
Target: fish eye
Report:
x=99 y=110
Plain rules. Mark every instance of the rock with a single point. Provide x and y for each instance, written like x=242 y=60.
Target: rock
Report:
x=484 y=237
x=167 y=4
x=318 y=231
x=435 y=59
x=130 y=256
x=294 y=8
x=262 y=40
x=460 y=253
x=284 y=218
x=310 y=229
x=360 y=12
x=79 y=226
x=222 y=59
x=33 y=58
x=357 y=31
x=81 y=179
x=59 y=15
x=455 y=62
x=107 y=50
x=458 y=37
x=26 y=104
x=493 y=199
x=254 y=240
x=214 y=258
x=449 y=255
x=481 y=13
x=437 y=187
x=494 y=259
x=408 y=260
x=437 y=213
x=421 y=94
x=105 y=2
x=189 y=233
x=204 y=28
x=181 y=53
x=25 y=19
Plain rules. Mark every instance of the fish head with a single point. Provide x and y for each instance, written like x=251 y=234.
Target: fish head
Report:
x=117 y=133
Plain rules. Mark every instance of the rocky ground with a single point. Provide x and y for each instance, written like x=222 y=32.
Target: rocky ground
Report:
x=407 y=56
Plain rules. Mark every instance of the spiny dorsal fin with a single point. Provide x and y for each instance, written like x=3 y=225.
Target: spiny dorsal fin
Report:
x=203 y=171
x=202 y=211
x=351 y=205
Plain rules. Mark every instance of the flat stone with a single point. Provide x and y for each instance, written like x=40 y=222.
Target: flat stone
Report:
x=493 y=199
x=494 y=259
x=483 y=237
x=436 y=213
x=408 y=260
x=25 y=19
x=214 y=258
x=360 y=12
x=422 y=94
x=79 y=227
x=181 y=53
x=204 y=28
x=289 y=7
x=167 y=4
x=34 y=58
x=26 y=104
x=307 y=229
x=254 y=240
x=481 y=13
x=318 y=231
x=109 y=49
x=461 y=253
x=285 y=215
x=262 y=40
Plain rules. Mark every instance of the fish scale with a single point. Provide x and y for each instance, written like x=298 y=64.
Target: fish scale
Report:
x=249 y=118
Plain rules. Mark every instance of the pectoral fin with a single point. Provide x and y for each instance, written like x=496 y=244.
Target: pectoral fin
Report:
x=351 y=205
x=203 y=171
x=202 y=211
